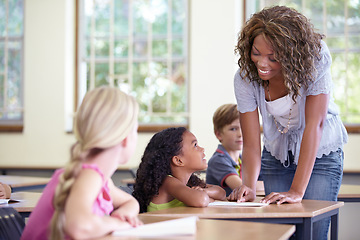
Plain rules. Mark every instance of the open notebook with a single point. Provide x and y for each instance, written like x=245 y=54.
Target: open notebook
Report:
x=176 y=227
x=238 y=204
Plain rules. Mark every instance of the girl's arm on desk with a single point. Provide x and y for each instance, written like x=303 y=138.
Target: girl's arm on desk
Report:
x=126 y=208
x=215 y=192
x=193 y=197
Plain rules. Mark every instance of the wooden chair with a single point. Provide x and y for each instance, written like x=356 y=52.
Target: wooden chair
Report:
x=11 y=224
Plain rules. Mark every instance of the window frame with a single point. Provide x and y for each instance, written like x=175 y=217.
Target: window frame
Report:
x=142 y=127
x=16 y=125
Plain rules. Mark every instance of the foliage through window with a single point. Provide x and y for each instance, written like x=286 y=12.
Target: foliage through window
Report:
x=11 y=64
x=139 y=46
x=339 y=20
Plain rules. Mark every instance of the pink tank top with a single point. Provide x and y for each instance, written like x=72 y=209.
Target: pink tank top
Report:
x=38 y=223
x=103 y=204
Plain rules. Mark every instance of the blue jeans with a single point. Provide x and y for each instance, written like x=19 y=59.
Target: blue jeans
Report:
x=324 y=182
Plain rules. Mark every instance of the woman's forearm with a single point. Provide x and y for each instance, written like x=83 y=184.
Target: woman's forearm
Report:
x=307 y=156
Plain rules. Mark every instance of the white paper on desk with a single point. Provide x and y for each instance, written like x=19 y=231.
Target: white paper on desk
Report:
x=181 y=226
x=7 y=201
x=238 y=204
x=4 y=201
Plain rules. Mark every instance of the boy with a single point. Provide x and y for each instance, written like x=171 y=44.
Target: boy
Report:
x=224 y=167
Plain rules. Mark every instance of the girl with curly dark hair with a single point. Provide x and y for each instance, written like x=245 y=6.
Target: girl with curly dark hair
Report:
x=165 y=177
x=284 y=73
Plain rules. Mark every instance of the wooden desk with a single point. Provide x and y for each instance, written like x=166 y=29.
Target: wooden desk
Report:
x=206 y=229
x=222 y=229
x=302 y=214
x=22 y=183
x=27 y=202
x=128 y=181
x=349 y=193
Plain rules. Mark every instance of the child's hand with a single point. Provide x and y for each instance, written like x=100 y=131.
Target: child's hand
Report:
x=215 y=192
x=127 y=216
x=198 y=188
x=4 y=191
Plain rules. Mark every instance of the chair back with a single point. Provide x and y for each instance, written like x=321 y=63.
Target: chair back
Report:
x=11 y=224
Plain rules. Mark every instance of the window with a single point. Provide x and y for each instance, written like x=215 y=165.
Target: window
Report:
x=139 y=46
x=339 y=20
x=11 y=65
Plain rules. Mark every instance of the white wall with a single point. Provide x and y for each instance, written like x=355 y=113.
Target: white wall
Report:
x=49 y=76
x=211 y=66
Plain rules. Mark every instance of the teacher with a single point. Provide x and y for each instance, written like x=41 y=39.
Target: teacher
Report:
x=284 y=73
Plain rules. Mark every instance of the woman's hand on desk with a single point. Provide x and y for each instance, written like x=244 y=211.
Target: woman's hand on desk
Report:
x=242 y=194
x=282 y=197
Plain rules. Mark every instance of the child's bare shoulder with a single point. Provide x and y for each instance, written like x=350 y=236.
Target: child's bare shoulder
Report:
x=171 y=181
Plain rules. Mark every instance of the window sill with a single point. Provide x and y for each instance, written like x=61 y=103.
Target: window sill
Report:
x=350 y=128
x=11 y=128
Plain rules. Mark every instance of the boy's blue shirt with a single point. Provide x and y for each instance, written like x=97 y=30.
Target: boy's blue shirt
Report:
x=221 y=166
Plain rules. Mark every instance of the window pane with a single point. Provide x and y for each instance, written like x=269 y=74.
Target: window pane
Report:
x=2 y=57
x=1 y=93
x=121 y=18
x=101 y=74
x=336 y=43
x=179 y=100
x=11 y=55
x=159 y=17
x=353 y=76
x=178 y=17
x=121 y=48
x=101 y=47
x=178 y=47
x=140 y=47
x=160 y=48
x=338 y=72
x=15 y=26
x=141 y=12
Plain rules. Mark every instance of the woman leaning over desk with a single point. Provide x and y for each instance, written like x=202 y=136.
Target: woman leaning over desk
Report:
x=285 y=74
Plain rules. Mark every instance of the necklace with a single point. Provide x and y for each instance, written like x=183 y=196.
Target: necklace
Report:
x=285 y=129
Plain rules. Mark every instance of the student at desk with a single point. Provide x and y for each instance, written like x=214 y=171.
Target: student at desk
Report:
x=165 y=177
x=5 y=190
x=284 y=74
x=224 y=167
x=81 y=201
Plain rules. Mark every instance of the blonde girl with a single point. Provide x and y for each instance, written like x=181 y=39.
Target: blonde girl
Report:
x=81 y=200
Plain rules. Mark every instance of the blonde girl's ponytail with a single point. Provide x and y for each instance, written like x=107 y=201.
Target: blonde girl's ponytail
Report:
x=62 y=191
x=105 y=117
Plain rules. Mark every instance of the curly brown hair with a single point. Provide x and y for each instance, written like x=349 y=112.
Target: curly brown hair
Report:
x=295 y=43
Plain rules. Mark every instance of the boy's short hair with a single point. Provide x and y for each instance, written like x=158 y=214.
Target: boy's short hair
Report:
x=224 y=115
